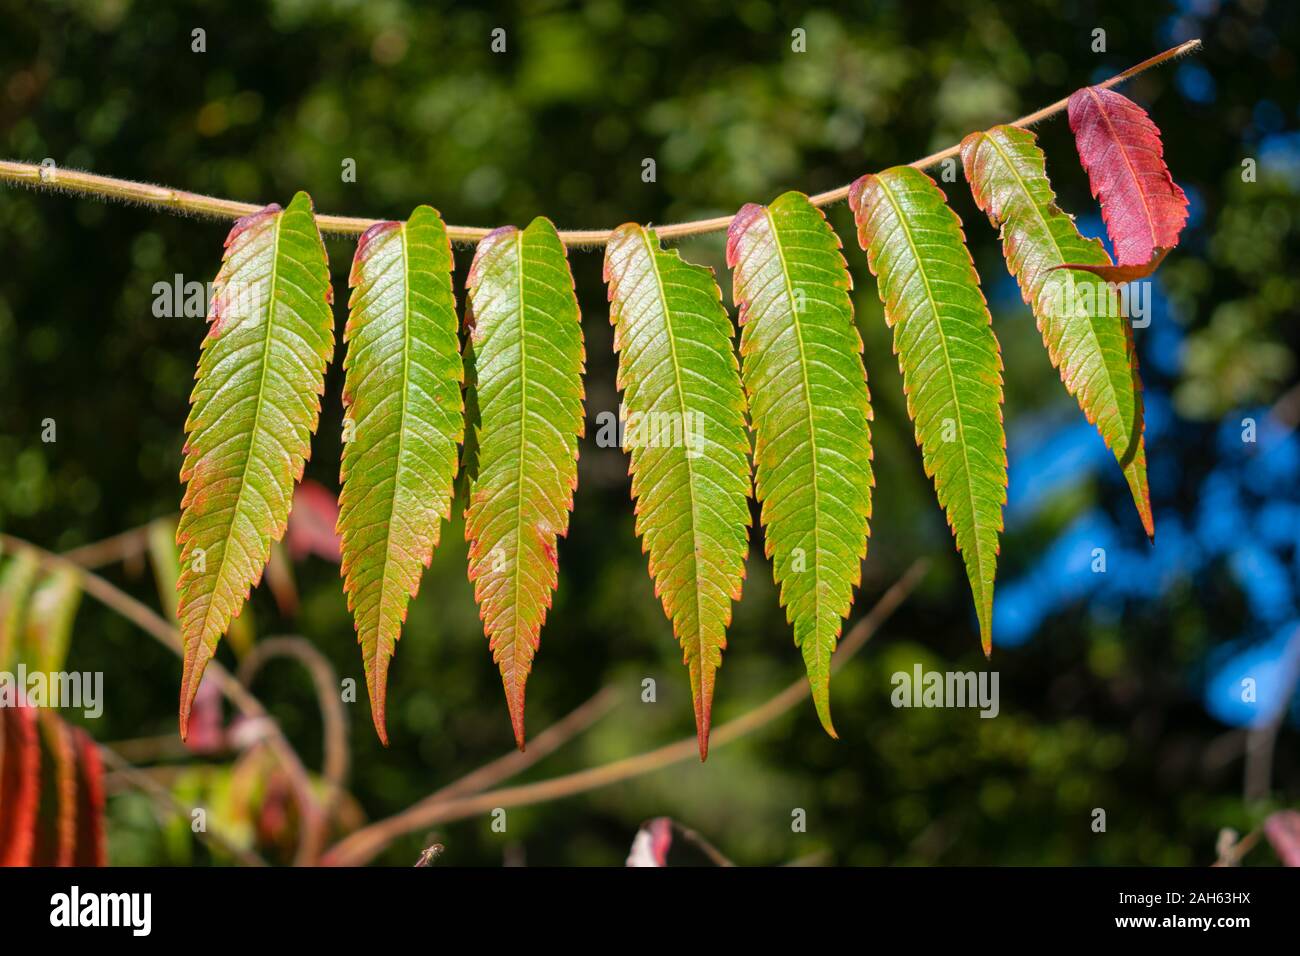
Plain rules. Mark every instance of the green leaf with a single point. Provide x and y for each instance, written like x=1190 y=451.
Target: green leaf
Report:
x=1088 y=340
x=402 y=427
x=949 y=358
x=254 y=408
x=50 y=615
x=526 y=357
x=17 y=578
x=685 y=430
x=808 y=399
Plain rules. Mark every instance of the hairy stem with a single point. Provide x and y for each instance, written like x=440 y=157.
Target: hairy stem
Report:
x=76 y=182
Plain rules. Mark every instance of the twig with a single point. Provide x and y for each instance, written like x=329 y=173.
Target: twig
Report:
x=174 y=200
x=362 y=845
x=96 y=554
x=545 y=743
x=333 y=721
x=1260 y=741
x=716 y=856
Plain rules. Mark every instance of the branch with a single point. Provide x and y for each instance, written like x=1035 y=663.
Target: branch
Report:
x=76 y=182
x=333 y=720
x=366 y=843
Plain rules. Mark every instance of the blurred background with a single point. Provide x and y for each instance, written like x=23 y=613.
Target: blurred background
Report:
x=1119 y=690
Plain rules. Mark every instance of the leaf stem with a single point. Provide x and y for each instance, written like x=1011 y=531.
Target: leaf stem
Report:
x=79 y=183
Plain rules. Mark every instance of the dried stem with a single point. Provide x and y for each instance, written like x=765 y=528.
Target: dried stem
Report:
x=76 y=182
x=333 y=720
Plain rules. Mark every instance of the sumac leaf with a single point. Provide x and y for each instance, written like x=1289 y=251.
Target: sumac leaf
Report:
x=526 y=357
x=685 y=431
x=1088 y=341
x=949 y=358
x=1120 y=148
x=403 y=424
x=255 y=405
x=801 y=359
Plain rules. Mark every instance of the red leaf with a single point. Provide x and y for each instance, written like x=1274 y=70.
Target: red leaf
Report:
x=312 y=520
x=20 y=784
x=92 y=843
x=1120 y=148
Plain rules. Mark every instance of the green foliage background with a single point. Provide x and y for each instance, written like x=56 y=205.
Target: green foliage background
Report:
x=1092 y=715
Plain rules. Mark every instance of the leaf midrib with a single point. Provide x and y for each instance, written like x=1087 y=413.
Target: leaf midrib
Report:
x=401 y=435
x=257 y=419
x=690 y=473
x=523 y=450
x=1119 y=144
x=812 y=431
x=976 y=524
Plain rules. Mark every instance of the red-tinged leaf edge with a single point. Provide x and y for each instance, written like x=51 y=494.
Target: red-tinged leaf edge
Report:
x=1120 y=149
x=20 y=784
